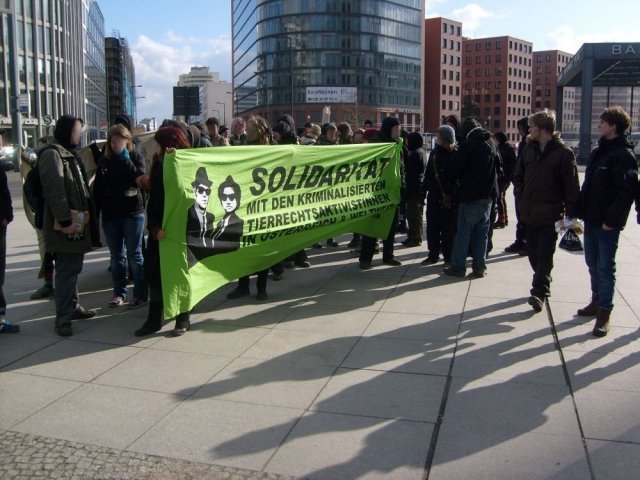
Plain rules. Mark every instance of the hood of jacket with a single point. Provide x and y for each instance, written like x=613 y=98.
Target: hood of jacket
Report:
x=63 y=130
x=620 y=141
x=124 y=119
x=479 y=134
x=384 y=134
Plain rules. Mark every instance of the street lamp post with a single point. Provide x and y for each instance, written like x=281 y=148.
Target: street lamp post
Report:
x=224 y=112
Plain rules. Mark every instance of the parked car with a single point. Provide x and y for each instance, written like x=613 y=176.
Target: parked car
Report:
x=9 y=158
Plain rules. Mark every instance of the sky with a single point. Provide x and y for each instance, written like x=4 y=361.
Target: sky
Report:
x=166 y=37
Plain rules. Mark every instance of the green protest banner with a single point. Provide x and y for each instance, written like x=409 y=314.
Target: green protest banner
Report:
x=233 y=211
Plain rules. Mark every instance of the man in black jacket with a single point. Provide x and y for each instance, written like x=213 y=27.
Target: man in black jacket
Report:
x=547 y=181
x=609 y=187
x=477 y=164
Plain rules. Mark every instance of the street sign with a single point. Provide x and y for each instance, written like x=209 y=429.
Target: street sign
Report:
x=332 y=94
x=23 y=103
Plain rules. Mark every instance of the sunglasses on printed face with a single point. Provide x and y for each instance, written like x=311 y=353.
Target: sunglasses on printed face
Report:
x=228 y=198
x=204 y=190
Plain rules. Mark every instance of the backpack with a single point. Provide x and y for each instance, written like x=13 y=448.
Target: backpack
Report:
x=32 y=190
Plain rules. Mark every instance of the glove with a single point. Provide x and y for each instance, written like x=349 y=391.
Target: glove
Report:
x=125 y=155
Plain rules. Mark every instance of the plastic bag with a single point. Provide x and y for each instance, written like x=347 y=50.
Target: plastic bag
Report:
x=571 y=242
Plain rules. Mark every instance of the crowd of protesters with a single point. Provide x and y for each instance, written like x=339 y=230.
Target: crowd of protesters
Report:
x=462 y=184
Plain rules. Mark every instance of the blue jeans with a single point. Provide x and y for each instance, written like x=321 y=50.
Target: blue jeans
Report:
x=120 y=233
x=600 y=248
x=473 y=227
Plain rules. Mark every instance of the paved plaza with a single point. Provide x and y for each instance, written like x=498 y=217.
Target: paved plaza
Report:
x=391 y=373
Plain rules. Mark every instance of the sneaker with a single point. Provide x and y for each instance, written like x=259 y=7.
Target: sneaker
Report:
x=515 y=247
x=536 y=303
x=317 y=245
x=136 y=302
x=82 y=313
x=332 y=243
x=499 y=225
x=303 y=264
x=479 y=273
x=43 y=292
x=64 y=330
x=8 y=327
x=117 y=301
x=411 y=243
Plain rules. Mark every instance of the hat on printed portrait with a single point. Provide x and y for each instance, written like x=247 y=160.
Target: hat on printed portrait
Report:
x=202 y=178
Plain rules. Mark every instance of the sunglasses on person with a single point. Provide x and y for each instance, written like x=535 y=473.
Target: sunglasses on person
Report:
x=205 y=190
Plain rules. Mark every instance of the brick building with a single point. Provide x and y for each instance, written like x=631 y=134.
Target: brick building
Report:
x=443 y=48
x=496 y=82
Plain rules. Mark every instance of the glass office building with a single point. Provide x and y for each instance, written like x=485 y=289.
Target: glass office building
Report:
x=60 y=48
x=360 y=58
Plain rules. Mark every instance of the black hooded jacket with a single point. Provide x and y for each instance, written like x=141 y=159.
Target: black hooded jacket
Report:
x=476 y=167
x=610 y=184
x=63 y=130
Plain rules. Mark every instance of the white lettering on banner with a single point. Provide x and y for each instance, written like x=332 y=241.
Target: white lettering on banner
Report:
x=331 y=94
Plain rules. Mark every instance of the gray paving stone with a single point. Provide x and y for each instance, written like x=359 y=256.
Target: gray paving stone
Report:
x=23 y=395
x=164 y=371
x=609 y=414
x=614 y=460
x=323 y=319
x=401 y=355
x=208 y=337
x=491 y=456
x=424 y=301
x=73 y=360
x=391 y=395
x=330 y=446
x=15 y=347
x=414 y=326
x=293 y=346
x=603 y=371
x=619 y=341
x=100 y=415
x=268 y=382
x=224 y=433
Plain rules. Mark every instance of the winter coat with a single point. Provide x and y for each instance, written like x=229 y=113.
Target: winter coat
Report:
x=114 y=190
x=477 y=167
x=155 y=213
x=6 y=208
x=509 y=157
x=546 y=182
x=65 y=188
x=414 y=168
x=443 y=158
x=610 y=184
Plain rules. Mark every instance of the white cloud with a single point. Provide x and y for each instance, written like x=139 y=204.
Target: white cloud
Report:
x=472 y=16
x=564 y=38
x=431 y=6
x=159 y=63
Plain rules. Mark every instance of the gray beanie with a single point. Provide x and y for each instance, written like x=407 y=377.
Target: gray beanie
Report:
x=447 y=133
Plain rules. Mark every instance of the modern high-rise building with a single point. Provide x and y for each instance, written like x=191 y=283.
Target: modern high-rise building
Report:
x=362 y=60
x=443 y=47
x=149 y=124
x=496 y=82
x=121 y=78
x=95 y=114
x=60 y=49
x=216 y=96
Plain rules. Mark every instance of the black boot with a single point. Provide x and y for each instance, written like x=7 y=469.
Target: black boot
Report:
x=590 y=310
x=154 y=320
x=601 y=327
x=182 y=325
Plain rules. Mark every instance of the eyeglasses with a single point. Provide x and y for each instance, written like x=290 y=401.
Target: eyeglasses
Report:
x=228 y=198
x=204 y=190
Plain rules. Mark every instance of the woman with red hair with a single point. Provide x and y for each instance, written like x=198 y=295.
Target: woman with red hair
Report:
x=167 y=139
